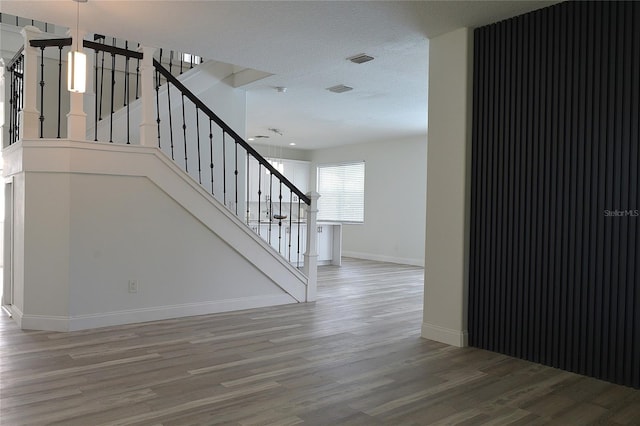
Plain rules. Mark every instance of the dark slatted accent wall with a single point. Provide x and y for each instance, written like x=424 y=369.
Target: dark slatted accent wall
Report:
x=555 y=232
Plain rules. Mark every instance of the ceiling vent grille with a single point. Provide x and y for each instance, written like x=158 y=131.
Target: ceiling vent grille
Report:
x=340 y=88
x=360 y=59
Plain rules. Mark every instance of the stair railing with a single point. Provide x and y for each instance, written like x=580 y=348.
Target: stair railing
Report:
x=15 y=68
x=220 y=160
x=214 y=154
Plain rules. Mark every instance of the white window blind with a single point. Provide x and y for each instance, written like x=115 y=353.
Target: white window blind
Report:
x=341 y=188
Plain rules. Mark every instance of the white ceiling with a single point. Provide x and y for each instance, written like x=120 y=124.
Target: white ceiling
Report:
x=304 y=44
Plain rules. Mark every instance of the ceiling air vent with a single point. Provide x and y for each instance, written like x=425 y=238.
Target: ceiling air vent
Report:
x=340 y=88
x=360 y=59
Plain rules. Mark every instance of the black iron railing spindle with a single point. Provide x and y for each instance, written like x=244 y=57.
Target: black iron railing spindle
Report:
x=198 y=142
x=224 y=168
x=259 y=193
x=126 y=76
x=211 y=153
x=184 y=137
x=95 y=90
x=270 y=203
x=127 y=84
x=59 y=87
x=157 y=77
x=248 y=188
x=170 y=60
x=299 y=217
x=101 y=83
x=42 y=91
x=138 y=75
x=113 y=89
x=170 y=120
x=280 y=220
x=236 y=176
x=290 y=224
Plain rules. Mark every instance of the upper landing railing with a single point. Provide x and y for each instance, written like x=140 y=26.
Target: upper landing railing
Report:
x=152 y=107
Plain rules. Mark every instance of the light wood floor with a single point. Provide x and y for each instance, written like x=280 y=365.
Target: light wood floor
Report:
x=355 y=357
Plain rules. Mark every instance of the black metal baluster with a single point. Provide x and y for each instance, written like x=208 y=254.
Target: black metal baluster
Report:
x=259 y=193
x=211 y=154
x=290 y=223
x=158 y=105
x=170 y=61
x=299 y=220
x=224 y=168
x=126 y=73
x=236 y=177
x=280 y=219
x=248 y=188
x=127 y=84
x=167 y=81
x=95 y=91
x=181 y=60
x=42 y=92
x=191 y=59
x=170 y=119
x=270 y=203
x=138 y=76
x=113 y=89
x=198 y=140
x=184 y=137
x=101 y=83
x=59 y=87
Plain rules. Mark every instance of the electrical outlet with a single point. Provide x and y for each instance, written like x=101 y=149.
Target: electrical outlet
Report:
x=133 y=286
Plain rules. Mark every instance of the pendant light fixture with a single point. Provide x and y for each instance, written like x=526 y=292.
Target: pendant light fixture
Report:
x=77 y=61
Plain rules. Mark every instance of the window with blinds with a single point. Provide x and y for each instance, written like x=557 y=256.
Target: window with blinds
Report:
x=341 y=188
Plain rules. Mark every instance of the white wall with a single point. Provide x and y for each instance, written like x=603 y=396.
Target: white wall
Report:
x=90 y=217
x=448 y=188
x=395 y=187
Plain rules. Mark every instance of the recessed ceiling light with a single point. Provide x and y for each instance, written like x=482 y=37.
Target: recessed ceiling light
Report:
x=340 y=88
x=292 y=144
x=251 y=139
x=360 y=59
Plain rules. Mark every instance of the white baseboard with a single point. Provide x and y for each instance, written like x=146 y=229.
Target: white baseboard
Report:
x=83 y=322
x=382 y=258
x=445 y=335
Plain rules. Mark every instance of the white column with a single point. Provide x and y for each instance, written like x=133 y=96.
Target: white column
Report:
x=30 y=115
x=76 y=118
x=148 y=124
x=448 y=188
x=310 y=267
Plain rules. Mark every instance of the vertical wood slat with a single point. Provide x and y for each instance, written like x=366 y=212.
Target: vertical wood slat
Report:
x=554 y=278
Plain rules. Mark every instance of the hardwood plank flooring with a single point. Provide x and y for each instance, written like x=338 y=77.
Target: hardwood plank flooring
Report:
x=355 y=357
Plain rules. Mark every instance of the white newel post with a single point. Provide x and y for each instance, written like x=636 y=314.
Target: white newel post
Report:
x=30 y=115
x=148 y=124
x=77 y=118
x=310 y=267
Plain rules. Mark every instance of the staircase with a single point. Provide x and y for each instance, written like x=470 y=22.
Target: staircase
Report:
x=178 y=171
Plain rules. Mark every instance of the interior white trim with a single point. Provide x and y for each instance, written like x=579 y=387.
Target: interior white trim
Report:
x=382 y=258
x=445 y=335
x=156 y=313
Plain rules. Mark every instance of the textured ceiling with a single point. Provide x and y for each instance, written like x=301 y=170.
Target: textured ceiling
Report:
x=304 y=44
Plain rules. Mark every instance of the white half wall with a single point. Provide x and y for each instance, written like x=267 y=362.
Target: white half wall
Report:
x=394 y=210
x=96 y=216
x=448 y=188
